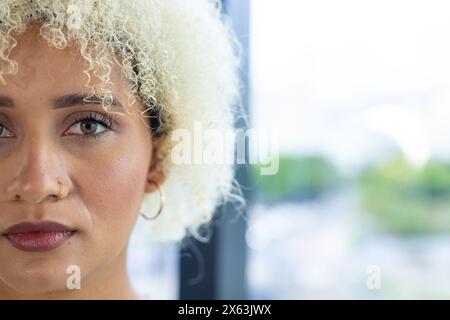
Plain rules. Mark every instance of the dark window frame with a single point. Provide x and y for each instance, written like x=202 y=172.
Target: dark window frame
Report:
x=217 y=269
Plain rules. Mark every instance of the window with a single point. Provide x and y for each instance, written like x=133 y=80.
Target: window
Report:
x=359 y=93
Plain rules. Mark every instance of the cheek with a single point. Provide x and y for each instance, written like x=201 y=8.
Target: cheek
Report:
x=112 y=190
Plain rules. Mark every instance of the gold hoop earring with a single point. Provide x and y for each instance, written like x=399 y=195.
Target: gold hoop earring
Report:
x=161 y=198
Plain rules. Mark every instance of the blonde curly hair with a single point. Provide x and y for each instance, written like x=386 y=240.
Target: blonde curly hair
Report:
x=181 y=59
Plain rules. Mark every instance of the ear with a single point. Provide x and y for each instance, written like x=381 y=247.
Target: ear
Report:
x=155 y=170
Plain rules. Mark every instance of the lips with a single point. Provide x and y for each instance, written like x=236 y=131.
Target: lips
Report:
x=42 y=236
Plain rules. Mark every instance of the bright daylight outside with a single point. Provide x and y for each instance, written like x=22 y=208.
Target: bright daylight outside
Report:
x=359 y=93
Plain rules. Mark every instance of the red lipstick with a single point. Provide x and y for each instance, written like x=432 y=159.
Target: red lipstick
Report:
x=42 y=236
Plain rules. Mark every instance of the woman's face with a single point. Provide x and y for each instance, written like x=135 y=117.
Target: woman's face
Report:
x=43 y=137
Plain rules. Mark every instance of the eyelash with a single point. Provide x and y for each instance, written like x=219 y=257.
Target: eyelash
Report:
x=104 y=120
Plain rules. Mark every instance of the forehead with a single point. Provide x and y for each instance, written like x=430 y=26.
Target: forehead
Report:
x=46 y=70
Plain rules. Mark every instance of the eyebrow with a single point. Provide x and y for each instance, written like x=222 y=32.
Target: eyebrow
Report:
x=68 y=100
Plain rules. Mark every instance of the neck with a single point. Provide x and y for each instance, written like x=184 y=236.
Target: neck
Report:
x=108 y=283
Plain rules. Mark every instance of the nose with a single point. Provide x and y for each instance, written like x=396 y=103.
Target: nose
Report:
x=39 y=174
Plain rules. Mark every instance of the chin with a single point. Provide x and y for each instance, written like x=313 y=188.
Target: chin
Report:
x=40 y=275
x=37 y=272
x=41 y=284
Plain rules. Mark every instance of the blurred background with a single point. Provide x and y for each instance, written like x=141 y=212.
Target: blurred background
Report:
x=358 y=95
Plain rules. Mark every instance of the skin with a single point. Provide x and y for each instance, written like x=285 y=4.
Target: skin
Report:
x=104 y=180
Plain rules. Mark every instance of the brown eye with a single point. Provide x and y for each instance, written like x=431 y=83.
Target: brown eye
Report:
x=92 y=125
x=88 y=126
